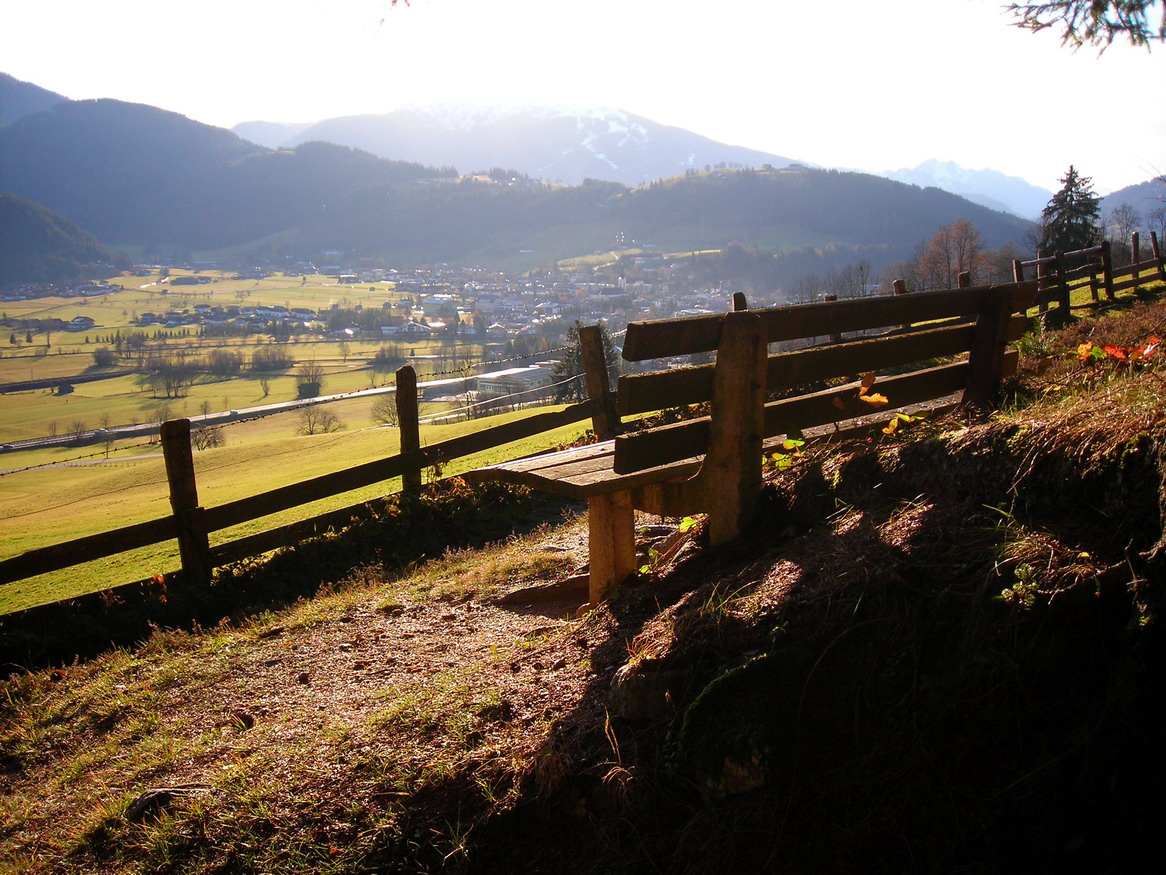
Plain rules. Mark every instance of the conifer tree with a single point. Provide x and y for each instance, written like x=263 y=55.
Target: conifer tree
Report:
x=1071 y=220
x=571 y=364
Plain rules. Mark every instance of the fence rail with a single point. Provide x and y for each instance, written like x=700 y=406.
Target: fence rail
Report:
x=1060 y=273
x=191 y=523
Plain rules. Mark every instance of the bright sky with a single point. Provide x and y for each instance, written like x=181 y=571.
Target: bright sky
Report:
x=863 y=84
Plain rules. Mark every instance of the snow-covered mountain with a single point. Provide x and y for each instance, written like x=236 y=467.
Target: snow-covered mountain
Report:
x=563 y=144
x=989 y=188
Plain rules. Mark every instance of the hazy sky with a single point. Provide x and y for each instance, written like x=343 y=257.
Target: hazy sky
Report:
x=849 y=83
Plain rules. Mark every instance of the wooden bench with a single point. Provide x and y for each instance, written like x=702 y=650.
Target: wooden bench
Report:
x=713 y=463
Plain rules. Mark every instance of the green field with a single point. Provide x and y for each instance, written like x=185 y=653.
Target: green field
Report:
x=70 y=499
x=52 y=495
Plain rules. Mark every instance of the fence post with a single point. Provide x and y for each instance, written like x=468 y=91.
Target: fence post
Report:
x=1136 y=256
x=739 y=302
x=408 y=422
x=1063 y=286
x=899 y=287
x=1042 y=282
x=603 y=415
x=1106 y=270
x=1017 y=270
x=986 y=357
x=193 y=543
x=830 y=297
x=1158 y=255
x=963 y=279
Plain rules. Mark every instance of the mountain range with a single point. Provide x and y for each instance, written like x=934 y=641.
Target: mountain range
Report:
x=139 y=176
x=989 y=188
x=554 y=144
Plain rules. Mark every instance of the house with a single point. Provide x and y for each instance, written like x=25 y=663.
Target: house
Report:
x=412 y=329
x=533 y=381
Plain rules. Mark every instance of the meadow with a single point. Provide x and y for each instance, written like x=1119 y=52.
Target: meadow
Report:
x=53 y=494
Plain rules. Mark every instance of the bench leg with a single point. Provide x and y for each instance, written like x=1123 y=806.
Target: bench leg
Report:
x=612 y=543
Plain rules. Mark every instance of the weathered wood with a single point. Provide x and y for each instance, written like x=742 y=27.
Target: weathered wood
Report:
x=1107 y=270
x=731 y=475
x=359 y=476
x=1157 y=253
x=985 y=361
x=692 y=334
x=408 y=423
x=639 y=393
x=193 y=543
x=611 y=543
x=1135 y=256
x=639 y=451
x=57 y=556
x=326 y=485
x=603 y=417
x=285 y=536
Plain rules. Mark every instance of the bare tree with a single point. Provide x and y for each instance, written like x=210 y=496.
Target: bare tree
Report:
x=309 y=379
x=384 y=410
x=206 y=438
x=318 y=419
x=1122 y=221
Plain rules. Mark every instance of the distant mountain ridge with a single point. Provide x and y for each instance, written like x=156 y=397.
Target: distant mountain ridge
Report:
x=18 y=99
x=989 y=188
x=1145 y=197
x=556 y=144
x=136 y=175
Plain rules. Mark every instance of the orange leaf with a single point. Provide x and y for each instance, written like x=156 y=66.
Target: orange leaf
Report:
x=838 y=403
x=875 y=400
x=868 y=380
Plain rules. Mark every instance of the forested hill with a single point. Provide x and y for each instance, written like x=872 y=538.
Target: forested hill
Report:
x=133 y=174
x=40 y=246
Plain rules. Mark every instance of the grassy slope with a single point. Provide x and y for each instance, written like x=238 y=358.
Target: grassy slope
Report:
x=935 y=654
x=52 y=505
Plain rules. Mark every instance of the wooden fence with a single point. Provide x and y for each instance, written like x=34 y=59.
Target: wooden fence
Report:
x=191 y=523
x=1058 y=274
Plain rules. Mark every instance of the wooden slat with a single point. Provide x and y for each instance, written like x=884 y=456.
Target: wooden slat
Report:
x=640 y=393
x=638 y=451
x=671 y=337
x=294 y=494
x=284 y=536
x=58 y=556
x=359 y=476
x=496 y=436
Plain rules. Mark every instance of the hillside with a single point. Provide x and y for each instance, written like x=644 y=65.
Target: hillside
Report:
x=134 y=175
x=933 y=653
x=1147 y=198
x=18 y=99
x=40 y=246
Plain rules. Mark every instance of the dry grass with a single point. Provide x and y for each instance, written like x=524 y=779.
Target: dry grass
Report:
x=936 y=653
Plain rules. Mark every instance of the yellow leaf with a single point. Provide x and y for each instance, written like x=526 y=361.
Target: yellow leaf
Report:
x=875 y=400
x=892 y=427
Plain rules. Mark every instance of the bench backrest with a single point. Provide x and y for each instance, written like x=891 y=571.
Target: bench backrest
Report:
x=978 y=321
